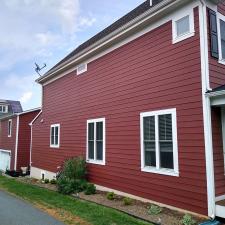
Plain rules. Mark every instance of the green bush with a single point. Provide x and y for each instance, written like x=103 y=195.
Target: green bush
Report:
x=154 y=210
x=53 y=181
x=188 y=220
x=72 y=178
x=111 y=196
x=90 y=189
x=46 y=181
x=127 y=201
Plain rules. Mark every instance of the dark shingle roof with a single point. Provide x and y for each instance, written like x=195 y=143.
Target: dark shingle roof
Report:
x=220 y=88
x=15 y=106
x=116 y=25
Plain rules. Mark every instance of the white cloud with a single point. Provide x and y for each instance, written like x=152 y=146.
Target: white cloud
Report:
x=26 y=97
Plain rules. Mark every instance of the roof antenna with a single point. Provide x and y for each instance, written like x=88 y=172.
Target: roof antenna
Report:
x=38 y=68
x=151 y=2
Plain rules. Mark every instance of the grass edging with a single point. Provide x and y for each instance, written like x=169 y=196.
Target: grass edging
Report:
x=94 y=213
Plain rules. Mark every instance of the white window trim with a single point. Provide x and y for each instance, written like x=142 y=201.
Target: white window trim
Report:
x=81 y=71
x=9 y=134
x=223 y=132
x=53 y=145
x=4 y=107
x=98 y=162
x=181 y=14
x=157 y=169
x=220 y=17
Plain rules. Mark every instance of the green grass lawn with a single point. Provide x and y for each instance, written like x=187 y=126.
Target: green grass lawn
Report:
x=89 y=212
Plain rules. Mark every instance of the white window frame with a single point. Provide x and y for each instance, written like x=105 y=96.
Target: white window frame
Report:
x=9 y=130
x=54 y=145
x=181 y=14
x=220 y=17
x=4 y=109
x=223 y=133
x=95 y=161
x=83 y=70
x=157 y=169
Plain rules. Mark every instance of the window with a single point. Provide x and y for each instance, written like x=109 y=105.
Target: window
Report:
x=96 y=141
x=54 y=136
x=183 y=26
x=9 y=128
x=3 y=109
x=159 y=142
x=221 y=36
x=81 y=68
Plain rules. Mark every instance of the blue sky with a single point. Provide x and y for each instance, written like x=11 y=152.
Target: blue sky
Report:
x=45 y=31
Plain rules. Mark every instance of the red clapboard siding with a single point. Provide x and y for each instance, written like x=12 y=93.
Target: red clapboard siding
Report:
x=146 y=74
x=23 y=154
x=8 y=143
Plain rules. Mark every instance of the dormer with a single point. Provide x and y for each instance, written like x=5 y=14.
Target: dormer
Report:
x=3 y=108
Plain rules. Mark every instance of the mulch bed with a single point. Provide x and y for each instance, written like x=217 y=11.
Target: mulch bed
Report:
x=137 y=208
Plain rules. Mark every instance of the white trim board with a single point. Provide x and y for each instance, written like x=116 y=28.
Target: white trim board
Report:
x=220 y=198
x=17 y=139
x=220 y=211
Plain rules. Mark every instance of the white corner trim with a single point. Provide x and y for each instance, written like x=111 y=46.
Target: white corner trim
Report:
x=207 y=109
x=157 y=169
x=17 y=139
x=95 y=161
x=181 y=14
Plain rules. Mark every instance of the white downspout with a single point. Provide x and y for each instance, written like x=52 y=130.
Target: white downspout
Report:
x=207 y=109
x=17 y=138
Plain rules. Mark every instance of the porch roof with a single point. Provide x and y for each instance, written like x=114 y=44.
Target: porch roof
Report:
x=217 y=95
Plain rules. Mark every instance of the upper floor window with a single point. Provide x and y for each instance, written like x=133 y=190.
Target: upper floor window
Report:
x=3 y=109
x=55 y=136
x=221 y=36
x=81 y=68
x=183 y=26
x=159 y=142
x=9 y=128
x=96 y=141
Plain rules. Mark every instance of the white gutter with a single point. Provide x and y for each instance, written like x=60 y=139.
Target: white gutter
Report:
x=28 y=111
x=17 y=138
x=207 y=109
x=216 y=93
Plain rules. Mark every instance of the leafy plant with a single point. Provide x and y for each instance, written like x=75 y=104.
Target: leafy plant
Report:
x=154 y=210
x=188 y=220
x=90 y=189
x=46 y=181
x=127 y=201
x=53 y=181
x=111 y=196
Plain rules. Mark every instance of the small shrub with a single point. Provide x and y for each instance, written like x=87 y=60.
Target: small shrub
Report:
x=90 y=189
x=154 y=210
x=65 y=186
x=188 y=220
x=127 y=201
x=111 y=196
x=46 y=181
x=53 y=181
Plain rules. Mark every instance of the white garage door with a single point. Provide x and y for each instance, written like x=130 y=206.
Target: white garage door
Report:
x=4 y=160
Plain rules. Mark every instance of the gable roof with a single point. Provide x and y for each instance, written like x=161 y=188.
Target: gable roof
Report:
x=142 y=8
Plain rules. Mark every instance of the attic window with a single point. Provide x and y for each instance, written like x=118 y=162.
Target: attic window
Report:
x=81 y=68
x=3 y=109
x=183 y=26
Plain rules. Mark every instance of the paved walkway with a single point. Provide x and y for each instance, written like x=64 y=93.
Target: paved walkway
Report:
x=17 y=212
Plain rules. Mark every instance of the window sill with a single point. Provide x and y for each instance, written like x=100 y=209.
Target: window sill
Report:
x=167 y=172
x=183 y=37
x=54 y=146
x=95 y=162
x=221 y=61
x=9 y=136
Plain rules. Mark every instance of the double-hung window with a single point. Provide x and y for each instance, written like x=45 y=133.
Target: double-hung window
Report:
x=55 y=136
x=221 y=36
x=96 y=141
x=9 y=128
x=3 y=109
x=159 y=142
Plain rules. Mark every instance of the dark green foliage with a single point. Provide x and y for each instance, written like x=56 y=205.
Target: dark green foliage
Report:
x=90 y=189
x=46 y=181
x=111 y=196
x=53 y=181
x=127 y=201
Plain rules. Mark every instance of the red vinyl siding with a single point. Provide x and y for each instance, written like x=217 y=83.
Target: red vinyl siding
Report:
x=217 y=78
x=218 y=152
x=23 y=155
x=146 y=74
x=8 y=143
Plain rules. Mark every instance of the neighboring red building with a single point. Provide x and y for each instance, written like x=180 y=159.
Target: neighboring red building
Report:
x=15 y=139
x=138 y=100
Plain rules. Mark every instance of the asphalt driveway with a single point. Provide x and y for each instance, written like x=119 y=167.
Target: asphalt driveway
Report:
x=17 y=212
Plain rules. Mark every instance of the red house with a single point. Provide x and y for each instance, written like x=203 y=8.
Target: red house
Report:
x=143 y=101
x=15 y=139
